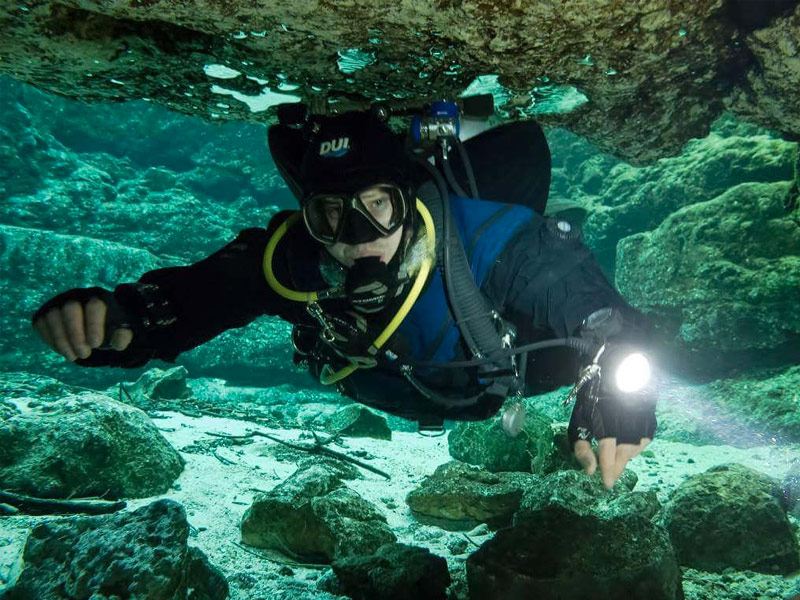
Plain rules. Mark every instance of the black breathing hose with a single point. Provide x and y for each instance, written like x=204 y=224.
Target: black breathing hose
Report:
x=462 y=152
x=578 y=344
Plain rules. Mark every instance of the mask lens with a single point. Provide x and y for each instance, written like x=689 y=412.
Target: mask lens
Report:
x=384 y=205
x=323 y=216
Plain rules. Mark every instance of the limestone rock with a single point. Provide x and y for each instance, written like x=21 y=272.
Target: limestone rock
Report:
x=585 y=495
x=765 y=404
x=459 y=496
x=85 y=445
x=773 y=73
x=394 y=572
x=655 y=73
x=485 y=444
x=732 y=516
x=140 y=555
x=158 y=384
x=555 y=553
x=314 y=517
x=359 y=421
x=723 y=275
x=791 y=490
x=628 y=200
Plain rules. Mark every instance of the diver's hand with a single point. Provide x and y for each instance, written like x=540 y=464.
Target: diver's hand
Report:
x=622 y=424
x=80 y=320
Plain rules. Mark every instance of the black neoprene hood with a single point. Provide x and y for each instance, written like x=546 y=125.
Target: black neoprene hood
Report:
x=351 y=151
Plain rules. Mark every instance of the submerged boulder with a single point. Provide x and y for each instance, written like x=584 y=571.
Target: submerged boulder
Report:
x=555 y=553
x=359 y=421
x=393 y=572
x=142 y=555
x=629 y=200
x=722 y=275
x=732 y=516
x=156 y=385
x=586 y=495
x=487 y=445
x=313 y=517
x=572 y=538
x=84 y=445
x=459 y=496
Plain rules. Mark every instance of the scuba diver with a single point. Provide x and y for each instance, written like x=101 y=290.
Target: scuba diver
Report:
x=409 y=291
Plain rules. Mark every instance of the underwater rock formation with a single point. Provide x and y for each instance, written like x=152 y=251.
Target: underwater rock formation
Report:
x=460 y=496
x=156 y=385
x=393 y=572
x=142 y=555
x=555 y=553
x=655 y=73
x=485 y=444
x=724 y=274
x=767 y=404
x=84 y=445
x=624 y=200
x=313 y=517
x=359 y=421
x=732 y=516
x=585 y=495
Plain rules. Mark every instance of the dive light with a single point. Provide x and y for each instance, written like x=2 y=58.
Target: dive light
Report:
x=633 y=373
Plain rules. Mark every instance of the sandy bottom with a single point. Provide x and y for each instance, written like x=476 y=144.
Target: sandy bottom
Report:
x=221 y=479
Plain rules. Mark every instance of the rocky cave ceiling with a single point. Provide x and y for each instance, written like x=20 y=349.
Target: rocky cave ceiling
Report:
x=638 y=78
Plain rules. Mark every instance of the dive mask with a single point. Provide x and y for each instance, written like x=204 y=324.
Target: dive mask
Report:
x=373 y=212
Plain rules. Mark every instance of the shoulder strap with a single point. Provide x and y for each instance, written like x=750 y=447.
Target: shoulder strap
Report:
x=474 y=317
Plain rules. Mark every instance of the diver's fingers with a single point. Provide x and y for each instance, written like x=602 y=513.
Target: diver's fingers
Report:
x=60 y=342
x=606 y=450
x=95 y=317
x=40 y=325
x=625 y=452
x=76 y=330
x=585 y=455
x=121 y=338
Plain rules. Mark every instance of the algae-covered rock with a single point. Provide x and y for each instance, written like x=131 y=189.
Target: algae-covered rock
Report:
x=86 y=445
x=156 y=385
x=584 y=494
x=459 y=496
x=394 y=572
x=141 y=555
x=767 y=402
x=641 y=78
x=486 y=444
x=359 y=421
x=723 y=275
x=555 y=553
x=630 y=200
x=732 y=516
x=313 y=517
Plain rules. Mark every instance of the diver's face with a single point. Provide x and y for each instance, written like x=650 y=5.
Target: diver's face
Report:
x=384 y=247
x=378 y=204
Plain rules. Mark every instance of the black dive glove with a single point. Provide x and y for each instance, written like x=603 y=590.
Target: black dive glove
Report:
x=117 y=317
x=602 y=410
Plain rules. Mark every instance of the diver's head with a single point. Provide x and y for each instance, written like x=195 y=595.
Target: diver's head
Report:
x=357 y=185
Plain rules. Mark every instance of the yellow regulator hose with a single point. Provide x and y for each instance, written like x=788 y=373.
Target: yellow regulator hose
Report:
x=327 y=376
